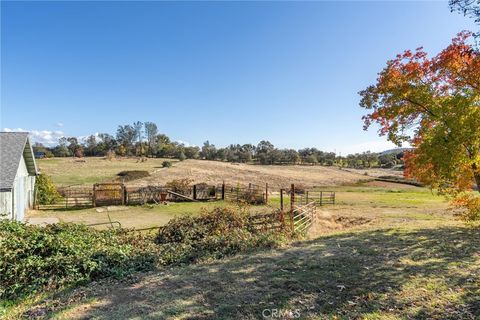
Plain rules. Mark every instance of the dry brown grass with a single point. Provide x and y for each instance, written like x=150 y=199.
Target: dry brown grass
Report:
x=276 y=176
x=66 y=171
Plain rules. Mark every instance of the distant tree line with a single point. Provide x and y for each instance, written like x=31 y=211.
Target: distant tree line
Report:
x=144 y=140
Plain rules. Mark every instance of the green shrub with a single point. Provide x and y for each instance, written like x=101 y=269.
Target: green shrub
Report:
x=166 y=164
x=46 y=191
x=213 y=235
x=182 y=156
x=41 y=258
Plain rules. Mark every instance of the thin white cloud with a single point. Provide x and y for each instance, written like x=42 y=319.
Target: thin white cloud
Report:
x=83 y=139
x=46 y=137
x=373 y=146
x=59 y=124
x=185 y=143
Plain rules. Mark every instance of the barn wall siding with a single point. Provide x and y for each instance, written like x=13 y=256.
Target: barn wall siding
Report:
x=21 y=191
x=19 y=170
x=6 y=205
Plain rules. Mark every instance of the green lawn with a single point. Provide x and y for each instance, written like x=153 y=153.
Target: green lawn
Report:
x=70 y=171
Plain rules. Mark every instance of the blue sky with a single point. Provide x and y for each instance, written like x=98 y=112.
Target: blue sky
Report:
x=229 y=72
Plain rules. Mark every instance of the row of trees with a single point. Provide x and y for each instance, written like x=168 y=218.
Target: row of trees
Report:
x=143 y=139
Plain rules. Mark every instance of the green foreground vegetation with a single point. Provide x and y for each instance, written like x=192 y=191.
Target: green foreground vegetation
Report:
x=45 y=259
x=379 y=274
x=383 y=252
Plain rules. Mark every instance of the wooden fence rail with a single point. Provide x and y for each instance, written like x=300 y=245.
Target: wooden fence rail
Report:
x=251 y=194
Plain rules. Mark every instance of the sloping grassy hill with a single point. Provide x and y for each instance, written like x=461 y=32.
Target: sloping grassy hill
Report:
x=68 y=171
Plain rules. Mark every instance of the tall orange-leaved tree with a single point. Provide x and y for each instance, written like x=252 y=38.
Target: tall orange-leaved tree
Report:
x=434 y=104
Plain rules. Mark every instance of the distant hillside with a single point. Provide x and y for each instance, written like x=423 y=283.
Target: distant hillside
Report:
x=394 y=151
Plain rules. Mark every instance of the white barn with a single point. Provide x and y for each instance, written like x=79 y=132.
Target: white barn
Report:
x=18 y=171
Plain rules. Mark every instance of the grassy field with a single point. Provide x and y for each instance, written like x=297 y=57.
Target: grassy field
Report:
x=69 y=171
x=388 y=204
x=383 y=252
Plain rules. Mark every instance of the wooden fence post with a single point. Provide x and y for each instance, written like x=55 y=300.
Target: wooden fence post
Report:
x=223 y=190
x=306 y=199
x=194 y=192
x=292 y=205
x=281 y=199
x=292 y=197
x=266 y=193
x=94 y=200
x=125 y=195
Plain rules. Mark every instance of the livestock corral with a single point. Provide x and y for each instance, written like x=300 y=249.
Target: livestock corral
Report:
x=101 y=187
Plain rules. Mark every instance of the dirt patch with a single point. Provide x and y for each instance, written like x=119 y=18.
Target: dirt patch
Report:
x=348 y=222
x=326 y=221
x=42 y=221
x=132 y=175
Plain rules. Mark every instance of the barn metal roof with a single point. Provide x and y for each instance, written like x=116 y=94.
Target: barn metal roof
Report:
x=12 y=146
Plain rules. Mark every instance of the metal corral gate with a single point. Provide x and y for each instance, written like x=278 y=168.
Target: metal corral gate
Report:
x=303 y=217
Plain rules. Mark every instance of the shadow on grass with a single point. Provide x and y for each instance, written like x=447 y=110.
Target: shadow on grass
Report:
x=63 y=209
x=425 y=273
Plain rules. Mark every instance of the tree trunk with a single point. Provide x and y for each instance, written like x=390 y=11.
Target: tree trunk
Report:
x=477 y=180
x=476 y=175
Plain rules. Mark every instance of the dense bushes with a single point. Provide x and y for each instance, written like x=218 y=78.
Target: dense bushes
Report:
x=34 y=258
x=467 y=206
x=37 y=258
x=46 y=190
x=212 y=235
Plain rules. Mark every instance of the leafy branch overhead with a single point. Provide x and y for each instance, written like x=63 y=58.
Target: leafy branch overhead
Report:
x=434 y=105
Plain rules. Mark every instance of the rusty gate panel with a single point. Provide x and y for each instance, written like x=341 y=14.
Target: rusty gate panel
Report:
x=105 y=194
